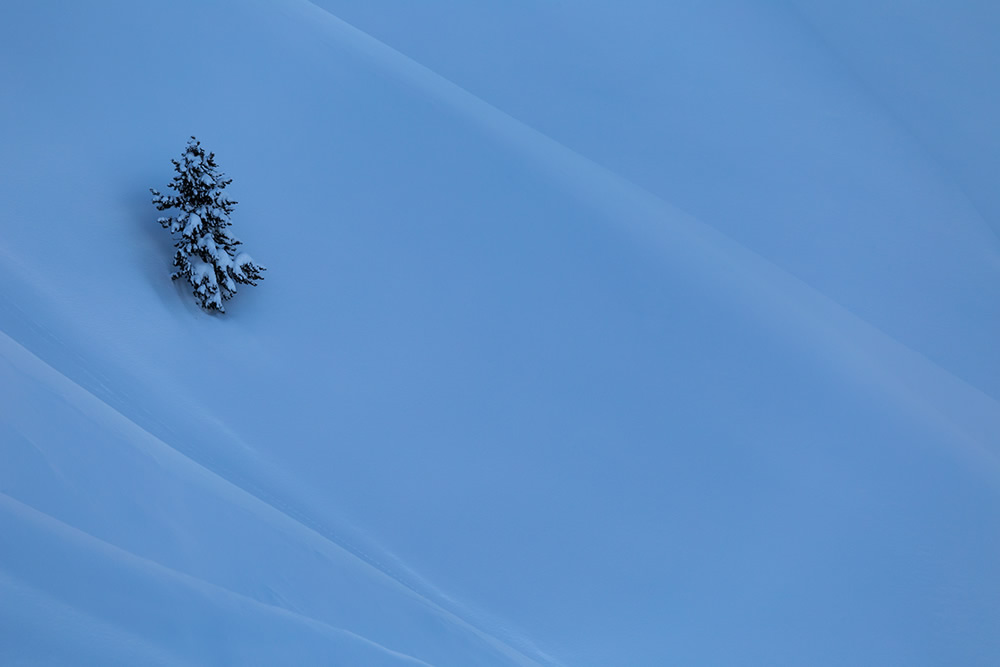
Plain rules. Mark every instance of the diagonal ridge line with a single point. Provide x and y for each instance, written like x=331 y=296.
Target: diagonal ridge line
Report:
x=590 y=180
x=93 y=543
x=249 y=491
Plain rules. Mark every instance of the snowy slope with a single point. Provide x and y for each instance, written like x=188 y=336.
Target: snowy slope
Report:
x=591 y=335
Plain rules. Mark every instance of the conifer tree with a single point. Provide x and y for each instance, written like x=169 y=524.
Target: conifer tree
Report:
x=207 y=253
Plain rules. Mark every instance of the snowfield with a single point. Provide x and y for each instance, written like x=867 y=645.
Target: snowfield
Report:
x=636 y=333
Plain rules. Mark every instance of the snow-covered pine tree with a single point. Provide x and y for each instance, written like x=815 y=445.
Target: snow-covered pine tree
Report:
x=206 y=252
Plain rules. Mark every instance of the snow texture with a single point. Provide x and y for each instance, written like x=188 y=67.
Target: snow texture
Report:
x=636 y=333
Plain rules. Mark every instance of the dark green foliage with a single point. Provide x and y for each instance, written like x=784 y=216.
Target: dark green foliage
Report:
x=207 y=254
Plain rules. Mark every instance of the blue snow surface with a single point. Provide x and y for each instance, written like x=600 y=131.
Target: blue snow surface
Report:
x=594 y=333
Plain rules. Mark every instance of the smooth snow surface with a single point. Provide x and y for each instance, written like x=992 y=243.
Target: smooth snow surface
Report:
x=635 y=333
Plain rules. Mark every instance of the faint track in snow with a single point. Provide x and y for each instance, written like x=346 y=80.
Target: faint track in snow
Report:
x=244 y=472
x=75 y=539
x=844 y=343
x=200 y=466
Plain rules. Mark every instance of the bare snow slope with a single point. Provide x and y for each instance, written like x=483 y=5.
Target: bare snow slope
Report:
x=653 y=334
